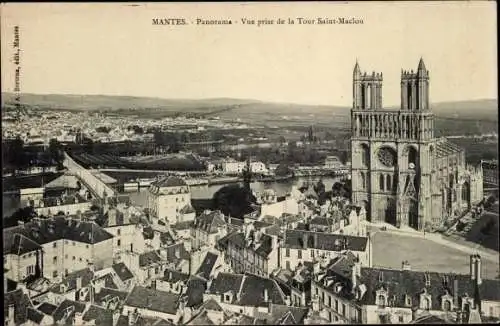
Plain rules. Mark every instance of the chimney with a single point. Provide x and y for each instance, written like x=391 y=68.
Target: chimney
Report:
x=116 y=316
x=78 y=319
x=304 y=240
x=475 y=269
x=78 y=283
x=266 y=295
x=131 y=318
x=478 y=270
x=11 y=316
x=405 y=266
x=472 y=266
x=455 y=292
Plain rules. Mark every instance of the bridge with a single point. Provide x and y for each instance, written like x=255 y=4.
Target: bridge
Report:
x=98 y=188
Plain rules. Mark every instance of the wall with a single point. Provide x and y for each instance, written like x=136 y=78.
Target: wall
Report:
x=153 y=314
x=17 y=265
x=70 y=209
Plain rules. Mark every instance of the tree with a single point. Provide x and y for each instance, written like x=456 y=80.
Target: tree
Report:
x=283 y=170
x=234 y=200
x=55 y=151
x=319 y=188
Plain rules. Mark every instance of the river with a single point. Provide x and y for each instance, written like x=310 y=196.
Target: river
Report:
x=207 y=192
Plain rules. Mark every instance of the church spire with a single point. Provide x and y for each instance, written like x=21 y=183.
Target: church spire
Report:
x=357 y=70
x=421 y=66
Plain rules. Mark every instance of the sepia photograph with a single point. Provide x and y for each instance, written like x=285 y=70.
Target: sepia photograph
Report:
x=250 y=163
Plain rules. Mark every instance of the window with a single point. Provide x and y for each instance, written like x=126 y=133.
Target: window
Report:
x=381 y=182
x=87 y=246
x=336 y=305
x=54 y=260
x=330 y=316
x=401 y=319
x=343 y=310
x=66 y=272
x=74 y=243
x=300 y=254
x=446 y=305
x=381 y=301
x=30 y=269
x=388 y=183
x=329 y=302
x=74 y=258
x=54 y=245
x=54 y=274
x=66 y=256
x=118 y=232
x=287 y=252
x=80 y=259
x=288 y=265
x=119 y=242
x=426 y=303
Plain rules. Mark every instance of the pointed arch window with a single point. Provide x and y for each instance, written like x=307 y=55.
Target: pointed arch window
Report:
x=388 y=182
x=381 y=182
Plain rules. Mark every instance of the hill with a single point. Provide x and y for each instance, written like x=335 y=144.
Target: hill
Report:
x=451 y=116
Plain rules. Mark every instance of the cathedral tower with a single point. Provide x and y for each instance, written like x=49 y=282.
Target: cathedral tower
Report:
x=392 y=149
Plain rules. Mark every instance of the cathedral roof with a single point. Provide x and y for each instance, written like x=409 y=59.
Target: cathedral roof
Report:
x=445 y=148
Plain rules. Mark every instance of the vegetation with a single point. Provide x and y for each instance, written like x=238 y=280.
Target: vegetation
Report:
x=24 y=214
x=234 y=201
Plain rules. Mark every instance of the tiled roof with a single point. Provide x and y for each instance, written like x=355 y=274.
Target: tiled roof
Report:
x=210 y=221
x=35 y=316
x=237 y=239
x=149 y=258
x=170 y=182
x=252 y=291
x=100 y=316
x=21 y=304
x=444 y=147
x=105 y=294
x=143 y=321
x=122 y=271
x=173 y=276
x=64 y=181
x=324 y=241
x=207 y=265
x=187 y=209
x=201 y=319
x=196 y=288
x=225 y=282
x=67 y=310
x=18 y=244
x=400 y=283
x=47 y=308
x=86 y=275
x=56 y=228
x=153 y=300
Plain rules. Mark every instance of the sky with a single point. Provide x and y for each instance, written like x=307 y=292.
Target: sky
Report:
x=114 y=49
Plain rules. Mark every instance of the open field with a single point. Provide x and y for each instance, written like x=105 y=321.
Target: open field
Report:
x=390 y=249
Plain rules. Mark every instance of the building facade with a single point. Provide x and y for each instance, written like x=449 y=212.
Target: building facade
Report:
x=400 y=172
x=167 y=198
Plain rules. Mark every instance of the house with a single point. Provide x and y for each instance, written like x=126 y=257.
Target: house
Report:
x=168 y=197
x=75 y=286
x=250 y=251
x=153 y=303
x=247 y=294
x=207 y=229
x=15 y=307
x=151 y=265
x=173 y=281
x=355 y=294
x=272 y=205
x=301 y=246
x=68 y=245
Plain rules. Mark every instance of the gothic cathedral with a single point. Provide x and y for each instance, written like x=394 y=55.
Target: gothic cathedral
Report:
x=400 y=173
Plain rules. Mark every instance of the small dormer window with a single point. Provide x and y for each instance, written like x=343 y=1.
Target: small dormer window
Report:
x=425 y=301
x=408 y=301
x=381 y=300
x=446 y=305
